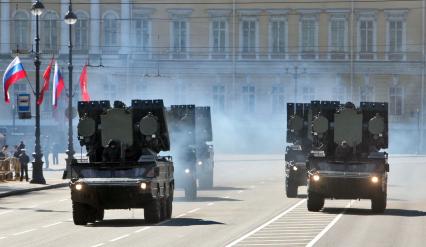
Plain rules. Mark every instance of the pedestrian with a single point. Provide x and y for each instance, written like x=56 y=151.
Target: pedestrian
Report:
x=21 y=145
x=5 y=151
x=55 y=153
x=24 y=160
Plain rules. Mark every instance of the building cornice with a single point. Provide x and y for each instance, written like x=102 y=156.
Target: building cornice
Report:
x=218 y=13
x=249 y=12
x=179 y=13
x=396 y=14
x=278 y=11
x=143 y=11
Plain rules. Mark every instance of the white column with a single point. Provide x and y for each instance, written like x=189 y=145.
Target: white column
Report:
x=125 y=26
x=95 y=23
x=64 y=28
x=4 y=29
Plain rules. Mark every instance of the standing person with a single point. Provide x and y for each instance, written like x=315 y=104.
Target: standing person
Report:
x=24 y=159
x=21 y=145
x=55 y=153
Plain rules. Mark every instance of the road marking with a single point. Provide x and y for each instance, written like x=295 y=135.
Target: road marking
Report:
x=240 y=191
x=2 y=238
x=325 y=230
x=266 y=224
x=66 y=199
x=121 y=237
x=193 y=211
x=6 y=212
x=97 y=245
x=274 y=244
x=142 y=229
x=210 y=204
x=20 y=233
x=180 y=215
x=33 y=206
x=53 y=224
x=226 y=197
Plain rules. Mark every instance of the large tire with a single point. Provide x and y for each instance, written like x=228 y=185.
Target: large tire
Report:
x=163 y=208
x=152 y=212
x=80 y=213
x=169 y=206
x=291 y=189
x=315 y=201
x=191 y=190
x=378 y=203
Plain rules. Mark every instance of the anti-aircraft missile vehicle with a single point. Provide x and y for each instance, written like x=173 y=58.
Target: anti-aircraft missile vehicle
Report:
x=296 y=155
x=124 y=169
x=346 y=161
x=204 y=147
x=181 y=122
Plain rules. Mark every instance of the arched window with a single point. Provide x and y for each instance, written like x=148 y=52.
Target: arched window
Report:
x=50 y=32
x=22 y=31
x=110 y=28
x=81 y=37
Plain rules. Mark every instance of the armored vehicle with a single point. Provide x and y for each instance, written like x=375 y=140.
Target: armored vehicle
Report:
x=296 y=155
x=346 y=161
x=181 y=122
x=204 y=147
x=123 y=170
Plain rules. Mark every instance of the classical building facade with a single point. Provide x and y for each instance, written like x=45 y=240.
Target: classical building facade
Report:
x=244 y=58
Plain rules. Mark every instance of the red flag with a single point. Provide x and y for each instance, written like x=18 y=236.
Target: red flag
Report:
x=46 y=78
x=83 y=84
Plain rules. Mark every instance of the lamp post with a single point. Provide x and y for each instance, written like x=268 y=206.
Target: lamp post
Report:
x=37 y=9
x=70 y=19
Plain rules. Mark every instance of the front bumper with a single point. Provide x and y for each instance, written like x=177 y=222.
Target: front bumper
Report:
x=347 y=185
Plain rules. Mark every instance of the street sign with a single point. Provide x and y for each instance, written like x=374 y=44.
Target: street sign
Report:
x=24 y=105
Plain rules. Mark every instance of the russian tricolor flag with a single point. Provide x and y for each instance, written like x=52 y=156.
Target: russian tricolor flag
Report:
x=58 y=85
x=14 y=72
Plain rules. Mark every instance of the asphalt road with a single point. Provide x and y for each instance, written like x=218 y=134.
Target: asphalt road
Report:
x=247 y=207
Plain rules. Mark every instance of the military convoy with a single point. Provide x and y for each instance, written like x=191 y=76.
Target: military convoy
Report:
x=124 y=169
x=345 y=159
x=204 y=147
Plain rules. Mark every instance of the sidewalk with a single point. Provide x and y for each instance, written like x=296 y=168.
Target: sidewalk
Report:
x=53 y=177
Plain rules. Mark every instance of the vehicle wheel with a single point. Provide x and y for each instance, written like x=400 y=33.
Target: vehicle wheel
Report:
x=80 y=213
x=163 y=208
x=191 y=190
x=169 y=207
x=100 y=212
x=378 y=203
x=315 y=201
x=152 y=212
x=291 y=189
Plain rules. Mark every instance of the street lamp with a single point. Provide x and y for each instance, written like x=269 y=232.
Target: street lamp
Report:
x=70 y=19
x=37 y=9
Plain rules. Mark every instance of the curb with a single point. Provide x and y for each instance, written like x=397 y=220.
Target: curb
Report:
x=24 y=191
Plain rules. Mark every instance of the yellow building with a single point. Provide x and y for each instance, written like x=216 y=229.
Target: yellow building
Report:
x=242 y=57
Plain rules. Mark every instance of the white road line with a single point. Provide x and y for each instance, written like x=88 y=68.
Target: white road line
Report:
x=240 y=191
x=6 y=212
x=210 y=204
x=226 y=197
x=282 y=240
x=142 y=229
x=276 y=244
x=33 y=206
x=118 y=238
x=20 y=233
x=66 y=199
x=193 y=211
x=97 y=245
x=2 y=238
x=180 y=215
x=266 y=224
x=327 y=228
x=53 y=224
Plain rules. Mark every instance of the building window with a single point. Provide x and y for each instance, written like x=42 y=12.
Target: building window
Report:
x=81 y=30
x=278 y=99
x=396 y=39
x=249 y=38
x=308 y=37
x=337 y=38
x=249 y=99
x=180 y=38
x=366 y=39
x=110 y=28
x=142 y=33
x=219 y=98
x=395 y=101
x=308 y=93
x=50 y=32
x=22 y=31
x=278 y=38
x=366 y=93
x=219 y=38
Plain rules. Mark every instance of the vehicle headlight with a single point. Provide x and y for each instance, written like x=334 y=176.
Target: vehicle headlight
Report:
x=295 y=168
x=316 y=177
x=187 y=171
x=374 y=180
x=200 y=163
x=144 y=186
x=78 y=187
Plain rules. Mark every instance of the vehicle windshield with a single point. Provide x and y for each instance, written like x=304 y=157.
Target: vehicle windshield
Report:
x=136 y=172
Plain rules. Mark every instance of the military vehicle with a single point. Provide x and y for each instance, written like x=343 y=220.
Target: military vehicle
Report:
x=181 y=122
x=296 y=155
x=346 y=161
x=204 y=147
x=124 y=169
